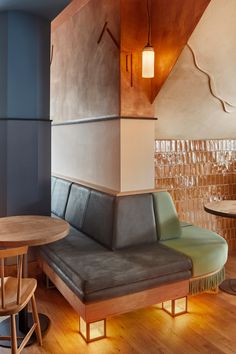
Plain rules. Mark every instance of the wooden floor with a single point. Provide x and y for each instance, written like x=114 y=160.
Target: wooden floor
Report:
x=209 y=327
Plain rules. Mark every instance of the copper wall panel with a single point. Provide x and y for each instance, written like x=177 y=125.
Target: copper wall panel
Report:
x=85 y=77
x=90 y=79
x=195 y=172
x=135 y=91
x=173 y=22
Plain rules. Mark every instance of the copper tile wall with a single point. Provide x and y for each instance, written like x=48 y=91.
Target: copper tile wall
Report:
x=197 y=171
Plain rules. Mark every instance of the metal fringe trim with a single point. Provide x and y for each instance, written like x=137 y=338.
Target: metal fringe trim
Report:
x=200 y=285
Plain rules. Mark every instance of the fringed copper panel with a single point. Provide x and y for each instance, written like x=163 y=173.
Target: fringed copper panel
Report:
x=196 y=172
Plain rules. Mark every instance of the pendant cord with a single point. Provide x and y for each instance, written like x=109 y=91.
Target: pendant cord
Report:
x=149 y=23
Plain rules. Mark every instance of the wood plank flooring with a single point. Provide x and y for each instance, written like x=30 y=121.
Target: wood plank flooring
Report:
x=209 y=327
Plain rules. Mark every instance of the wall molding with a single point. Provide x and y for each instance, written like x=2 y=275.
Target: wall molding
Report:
x=11 y=119
x=100 y=119
x=105 y=189
x=211 y=83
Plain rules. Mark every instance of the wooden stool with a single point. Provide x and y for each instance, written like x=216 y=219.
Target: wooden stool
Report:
x=16 y=293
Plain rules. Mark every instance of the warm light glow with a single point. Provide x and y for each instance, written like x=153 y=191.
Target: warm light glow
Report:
x=97 y=330
x=175 y=307
x=148 y=62
x=82 y=327
x=180 y=305
x=92 y=331
x=167 y=305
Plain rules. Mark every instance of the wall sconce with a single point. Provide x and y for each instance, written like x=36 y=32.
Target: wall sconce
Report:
x=92 y=331
x=176 y=307
x=148 y=54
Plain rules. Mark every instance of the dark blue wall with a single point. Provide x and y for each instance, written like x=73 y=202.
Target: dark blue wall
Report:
x=3 y=63
x=28 y=167
x=3 y=168
x=48 y=9
x=25 y=128
x=25 y=85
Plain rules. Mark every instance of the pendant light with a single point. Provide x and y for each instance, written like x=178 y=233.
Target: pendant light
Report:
x=148 y=54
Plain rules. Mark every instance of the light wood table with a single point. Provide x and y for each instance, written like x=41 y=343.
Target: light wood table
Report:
x=227 y=209
x=30 y=230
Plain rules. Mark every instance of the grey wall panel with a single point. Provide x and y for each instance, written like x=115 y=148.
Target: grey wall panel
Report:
x=44 y=167
x=44 y=8
x=3 y=63
x=28 y=66
x=25 y=129
x=28 y=168
x=3 y=185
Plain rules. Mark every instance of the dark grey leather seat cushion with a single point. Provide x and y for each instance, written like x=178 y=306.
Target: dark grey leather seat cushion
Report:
x=94 y=272
x=134 y=221
x=60 y=197
x=76 y=206
x=55 y=216
x=98 y=221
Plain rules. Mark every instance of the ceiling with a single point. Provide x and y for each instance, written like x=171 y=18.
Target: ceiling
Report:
x=46 y=8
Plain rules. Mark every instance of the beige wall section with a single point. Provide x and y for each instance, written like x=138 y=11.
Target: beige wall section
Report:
x=84 y=74
x=116 y=154
x=137 y=154
x=89 y=152
x=184 y=106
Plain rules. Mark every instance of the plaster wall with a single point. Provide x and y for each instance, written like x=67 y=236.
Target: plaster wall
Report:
x=88 y=152
x=85 y=83
x=137 y=152
x=185 y=107
x=106 y=153
x=84 y=73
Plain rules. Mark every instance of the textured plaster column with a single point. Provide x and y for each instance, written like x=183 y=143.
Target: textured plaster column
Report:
x=96 y=139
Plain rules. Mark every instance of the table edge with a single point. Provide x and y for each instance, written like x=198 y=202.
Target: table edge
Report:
x=219 y=213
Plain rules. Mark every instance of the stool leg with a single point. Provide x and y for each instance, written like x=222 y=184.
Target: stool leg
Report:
x=36 y=320
x=13 y=335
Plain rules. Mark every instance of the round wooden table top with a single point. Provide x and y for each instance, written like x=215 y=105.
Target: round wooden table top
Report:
x=31 y=230
x=225 y=208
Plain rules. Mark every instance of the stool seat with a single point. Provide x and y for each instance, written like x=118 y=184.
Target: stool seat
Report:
x=28 y=287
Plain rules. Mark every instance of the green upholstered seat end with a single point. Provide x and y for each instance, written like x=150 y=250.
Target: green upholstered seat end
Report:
x=207 y=250
x=185 y=224
x=200 y=285
x=167 y=221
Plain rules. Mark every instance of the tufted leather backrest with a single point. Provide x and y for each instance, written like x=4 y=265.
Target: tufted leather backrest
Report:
x=115 y=222
x=134 y=222
x=60 y=196
x=98 y=220
x=53 y=182
x=77 y=205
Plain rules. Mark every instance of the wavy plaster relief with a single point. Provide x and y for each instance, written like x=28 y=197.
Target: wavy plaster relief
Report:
x=226 y=105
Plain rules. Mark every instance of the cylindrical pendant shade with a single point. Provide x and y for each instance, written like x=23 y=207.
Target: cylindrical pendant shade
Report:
x=148 y=62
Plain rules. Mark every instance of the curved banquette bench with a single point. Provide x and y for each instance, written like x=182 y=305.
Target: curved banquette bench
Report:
x=127 y=252
x=207 y=250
